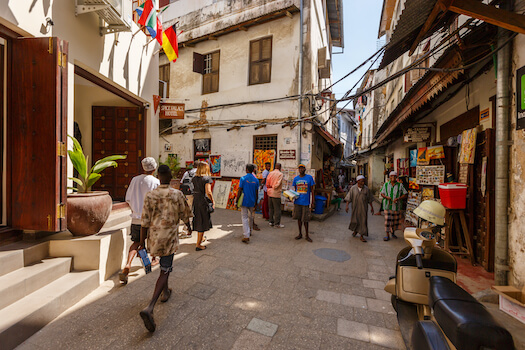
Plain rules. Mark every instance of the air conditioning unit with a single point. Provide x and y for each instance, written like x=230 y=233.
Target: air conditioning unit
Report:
x=116 y=14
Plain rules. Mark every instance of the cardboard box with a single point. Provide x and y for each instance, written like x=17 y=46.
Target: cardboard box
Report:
x=511 y=301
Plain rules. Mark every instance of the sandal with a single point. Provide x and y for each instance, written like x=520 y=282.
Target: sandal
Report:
x=165 y=296
x=200 y=248
x=354 y=234
x=149 y=322
x=363 y=239
x=394 y=235
x=299 y=237
x=309 y=239
x=386 y=238
x=123 y=277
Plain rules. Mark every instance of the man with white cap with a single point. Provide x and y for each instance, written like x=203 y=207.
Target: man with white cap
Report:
x=393 y=192
x=359 y=195
x=139 y=186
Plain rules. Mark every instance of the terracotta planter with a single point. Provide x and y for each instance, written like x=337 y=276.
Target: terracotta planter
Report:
x=87 y=212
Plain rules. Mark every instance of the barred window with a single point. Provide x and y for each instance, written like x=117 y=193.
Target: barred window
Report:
x=265 y=142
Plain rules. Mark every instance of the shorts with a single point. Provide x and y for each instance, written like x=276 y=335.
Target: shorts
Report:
x=135 y=233
x=166 y=263
x=301 y=212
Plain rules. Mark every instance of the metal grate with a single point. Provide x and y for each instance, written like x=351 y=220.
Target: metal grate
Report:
x=266 y=142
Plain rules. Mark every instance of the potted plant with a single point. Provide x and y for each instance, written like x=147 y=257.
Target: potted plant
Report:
x=87 y=211
x=173 y=162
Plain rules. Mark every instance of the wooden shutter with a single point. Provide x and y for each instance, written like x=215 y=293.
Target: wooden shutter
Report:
x=198 y=63
x=260 y=61
x=38 y=119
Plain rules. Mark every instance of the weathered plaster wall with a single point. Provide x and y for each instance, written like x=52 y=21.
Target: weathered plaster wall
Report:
x=516 y=179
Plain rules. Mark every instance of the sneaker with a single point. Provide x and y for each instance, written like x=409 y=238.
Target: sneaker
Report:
x=270 y=224
x=246 y=240
x=279 y=226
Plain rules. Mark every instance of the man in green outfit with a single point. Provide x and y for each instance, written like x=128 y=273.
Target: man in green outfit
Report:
x=393 y=193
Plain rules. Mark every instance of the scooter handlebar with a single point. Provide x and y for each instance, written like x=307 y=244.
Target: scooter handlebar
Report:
x=419 y=261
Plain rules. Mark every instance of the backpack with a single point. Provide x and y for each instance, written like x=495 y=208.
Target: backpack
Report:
x=186 y=185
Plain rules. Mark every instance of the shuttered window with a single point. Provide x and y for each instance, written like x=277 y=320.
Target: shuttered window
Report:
x=210 y=77
x=260 y=61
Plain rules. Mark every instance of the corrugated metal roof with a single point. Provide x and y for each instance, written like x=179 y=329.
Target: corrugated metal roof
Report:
x=335 y=19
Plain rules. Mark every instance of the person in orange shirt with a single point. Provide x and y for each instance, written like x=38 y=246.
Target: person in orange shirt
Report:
x=274 y=184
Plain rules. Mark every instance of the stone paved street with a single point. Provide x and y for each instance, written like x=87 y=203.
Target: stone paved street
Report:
x=275 y=293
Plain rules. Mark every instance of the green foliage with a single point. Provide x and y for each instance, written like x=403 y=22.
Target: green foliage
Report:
x=86 y=178
x=173 y=162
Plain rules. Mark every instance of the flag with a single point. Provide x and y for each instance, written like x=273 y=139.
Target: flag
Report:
x=170 y=44
x=148 y=18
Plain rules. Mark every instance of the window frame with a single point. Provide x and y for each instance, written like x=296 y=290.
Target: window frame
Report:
x=260 y=61
x=212 y=73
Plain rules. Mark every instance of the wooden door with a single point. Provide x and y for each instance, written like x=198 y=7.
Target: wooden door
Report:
x=37 y=120
x=118 y=130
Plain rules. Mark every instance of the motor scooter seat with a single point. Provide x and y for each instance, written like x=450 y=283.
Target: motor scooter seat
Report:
x=465 y=321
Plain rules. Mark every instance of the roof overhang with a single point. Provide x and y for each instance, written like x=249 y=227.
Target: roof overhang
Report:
x=386 y=17
x=332 y=141
x=335 y=20
x=421 y=18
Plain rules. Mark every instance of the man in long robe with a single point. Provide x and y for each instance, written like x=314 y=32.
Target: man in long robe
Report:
x=359 y=195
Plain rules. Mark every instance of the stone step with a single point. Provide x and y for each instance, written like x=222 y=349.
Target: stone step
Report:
x=22 y=282
x=25 y=317
x=117 y=219
x=17 y=255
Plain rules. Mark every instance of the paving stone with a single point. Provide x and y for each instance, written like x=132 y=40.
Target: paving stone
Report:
x=328 y=296
x=373 y=284
x=354 y=301
x=352 y=280
x=330 y=240
x=201 y=291
x=251 y=340
x=386 y=337
x=325 y=276
x=265 y=328
x=369 y=317
x=373 y=253
x=382 y=295
x=354 y=330
x=379 y=276
x=380 y=306
x=375 y=261
x=378 y=269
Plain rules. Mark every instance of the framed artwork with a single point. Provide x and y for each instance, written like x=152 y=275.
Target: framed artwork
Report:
x=215 y=165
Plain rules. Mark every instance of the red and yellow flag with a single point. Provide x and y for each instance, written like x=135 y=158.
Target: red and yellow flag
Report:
x=170 y=44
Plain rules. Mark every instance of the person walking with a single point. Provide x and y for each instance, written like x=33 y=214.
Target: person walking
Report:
x=186 y=186
x=202 y=196
x=274 y=183
x=341 y=179
x=163 y=208
x=304 y=185
x=265 y=203
x=137 y=189
x=359 y=195
x=393 y=192
x=248 y=188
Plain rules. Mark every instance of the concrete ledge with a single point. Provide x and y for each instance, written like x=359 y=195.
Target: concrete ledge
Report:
x=105 y=252
x=327 y=213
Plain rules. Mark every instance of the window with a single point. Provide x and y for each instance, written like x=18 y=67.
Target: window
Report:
x=260 y=61
x=208 y=66
x=164 y=90
x=265 y=142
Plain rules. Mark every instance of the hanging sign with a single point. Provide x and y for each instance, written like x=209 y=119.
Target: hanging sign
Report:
x=520 y=98
x=417 y=134
x=171 y=111
x=287 y=154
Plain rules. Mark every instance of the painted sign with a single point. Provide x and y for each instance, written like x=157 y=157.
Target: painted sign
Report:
x=171 y=111
x=520 y=98
x=287 y=154
x=417 y=134
x=484 y=115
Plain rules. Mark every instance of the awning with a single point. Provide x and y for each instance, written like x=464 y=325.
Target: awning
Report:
x=335 y=20
x=327 y=136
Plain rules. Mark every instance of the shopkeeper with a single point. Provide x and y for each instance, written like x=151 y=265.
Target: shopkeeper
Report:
x=393 y=193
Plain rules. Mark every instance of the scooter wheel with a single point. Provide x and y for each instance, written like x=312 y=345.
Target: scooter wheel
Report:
x=393 y=300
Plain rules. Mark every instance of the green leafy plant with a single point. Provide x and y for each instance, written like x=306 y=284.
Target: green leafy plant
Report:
x=87 y=177
x=173 y=162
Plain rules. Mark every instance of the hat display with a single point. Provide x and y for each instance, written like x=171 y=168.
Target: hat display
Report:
x=393 y=173
x=149 y=164
x=360 y=177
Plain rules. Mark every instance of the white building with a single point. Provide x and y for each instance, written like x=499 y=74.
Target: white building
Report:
x=238 y=74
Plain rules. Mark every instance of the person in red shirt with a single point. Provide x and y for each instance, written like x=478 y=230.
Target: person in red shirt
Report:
x=274 y=183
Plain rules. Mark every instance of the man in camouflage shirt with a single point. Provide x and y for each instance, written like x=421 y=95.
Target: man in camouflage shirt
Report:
x=163 y=208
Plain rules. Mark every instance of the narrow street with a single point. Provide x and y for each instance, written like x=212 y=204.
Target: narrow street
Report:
x=274 y=293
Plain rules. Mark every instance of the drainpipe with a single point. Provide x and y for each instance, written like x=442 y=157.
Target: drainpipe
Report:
x=503 y=88
x=300 y=129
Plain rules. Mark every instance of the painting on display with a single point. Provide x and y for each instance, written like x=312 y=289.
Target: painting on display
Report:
x=215 y=166
x=234 y=188
x=234 y=164
x=430 y=175
x=413 y=201
x=201 y=148
x=412 y=184
x=260 y=157
x=413 y=157
x=468 y=146
x=427 y=193
x=221 y=193
x=402 y=166
x=422 y=156
x=436 y=152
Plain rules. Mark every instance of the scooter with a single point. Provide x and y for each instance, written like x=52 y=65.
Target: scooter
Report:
x=432 y=310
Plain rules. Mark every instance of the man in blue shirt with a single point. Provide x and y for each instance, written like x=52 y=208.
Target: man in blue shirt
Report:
x=304 y=185
x=249 y=186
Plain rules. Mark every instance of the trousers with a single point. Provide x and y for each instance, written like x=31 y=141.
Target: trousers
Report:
x=247 y=215
x=275 y=210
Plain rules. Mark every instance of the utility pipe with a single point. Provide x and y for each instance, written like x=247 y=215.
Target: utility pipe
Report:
x=300 y=129
x=503 y=88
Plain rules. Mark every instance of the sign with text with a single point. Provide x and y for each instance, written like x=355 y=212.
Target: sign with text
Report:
x=417 y=134
x=171 y=111
x=287 y=154
x=520 y=98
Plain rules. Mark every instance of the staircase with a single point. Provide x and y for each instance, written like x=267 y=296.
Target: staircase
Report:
x=35 y=289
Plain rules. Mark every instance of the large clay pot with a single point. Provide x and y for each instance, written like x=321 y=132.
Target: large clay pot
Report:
x=87 y=212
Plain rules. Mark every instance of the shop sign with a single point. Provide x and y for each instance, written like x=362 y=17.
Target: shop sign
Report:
x=520 y=98
x=287 y=154
x=171 y=111
x=417 y=134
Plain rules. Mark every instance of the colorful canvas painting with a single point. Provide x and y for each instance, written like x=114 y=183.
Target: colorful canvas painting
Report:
x=402 y=167
x=260 y=157
x=413 y=157
x=422 y=156
x=412 y=184
x=468 y=146
x=234 y=187
x=436 y=152
x=215 y=166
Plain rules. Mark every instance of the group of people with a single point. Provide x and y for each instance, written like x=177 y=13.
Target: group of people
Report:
x=393 y=193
